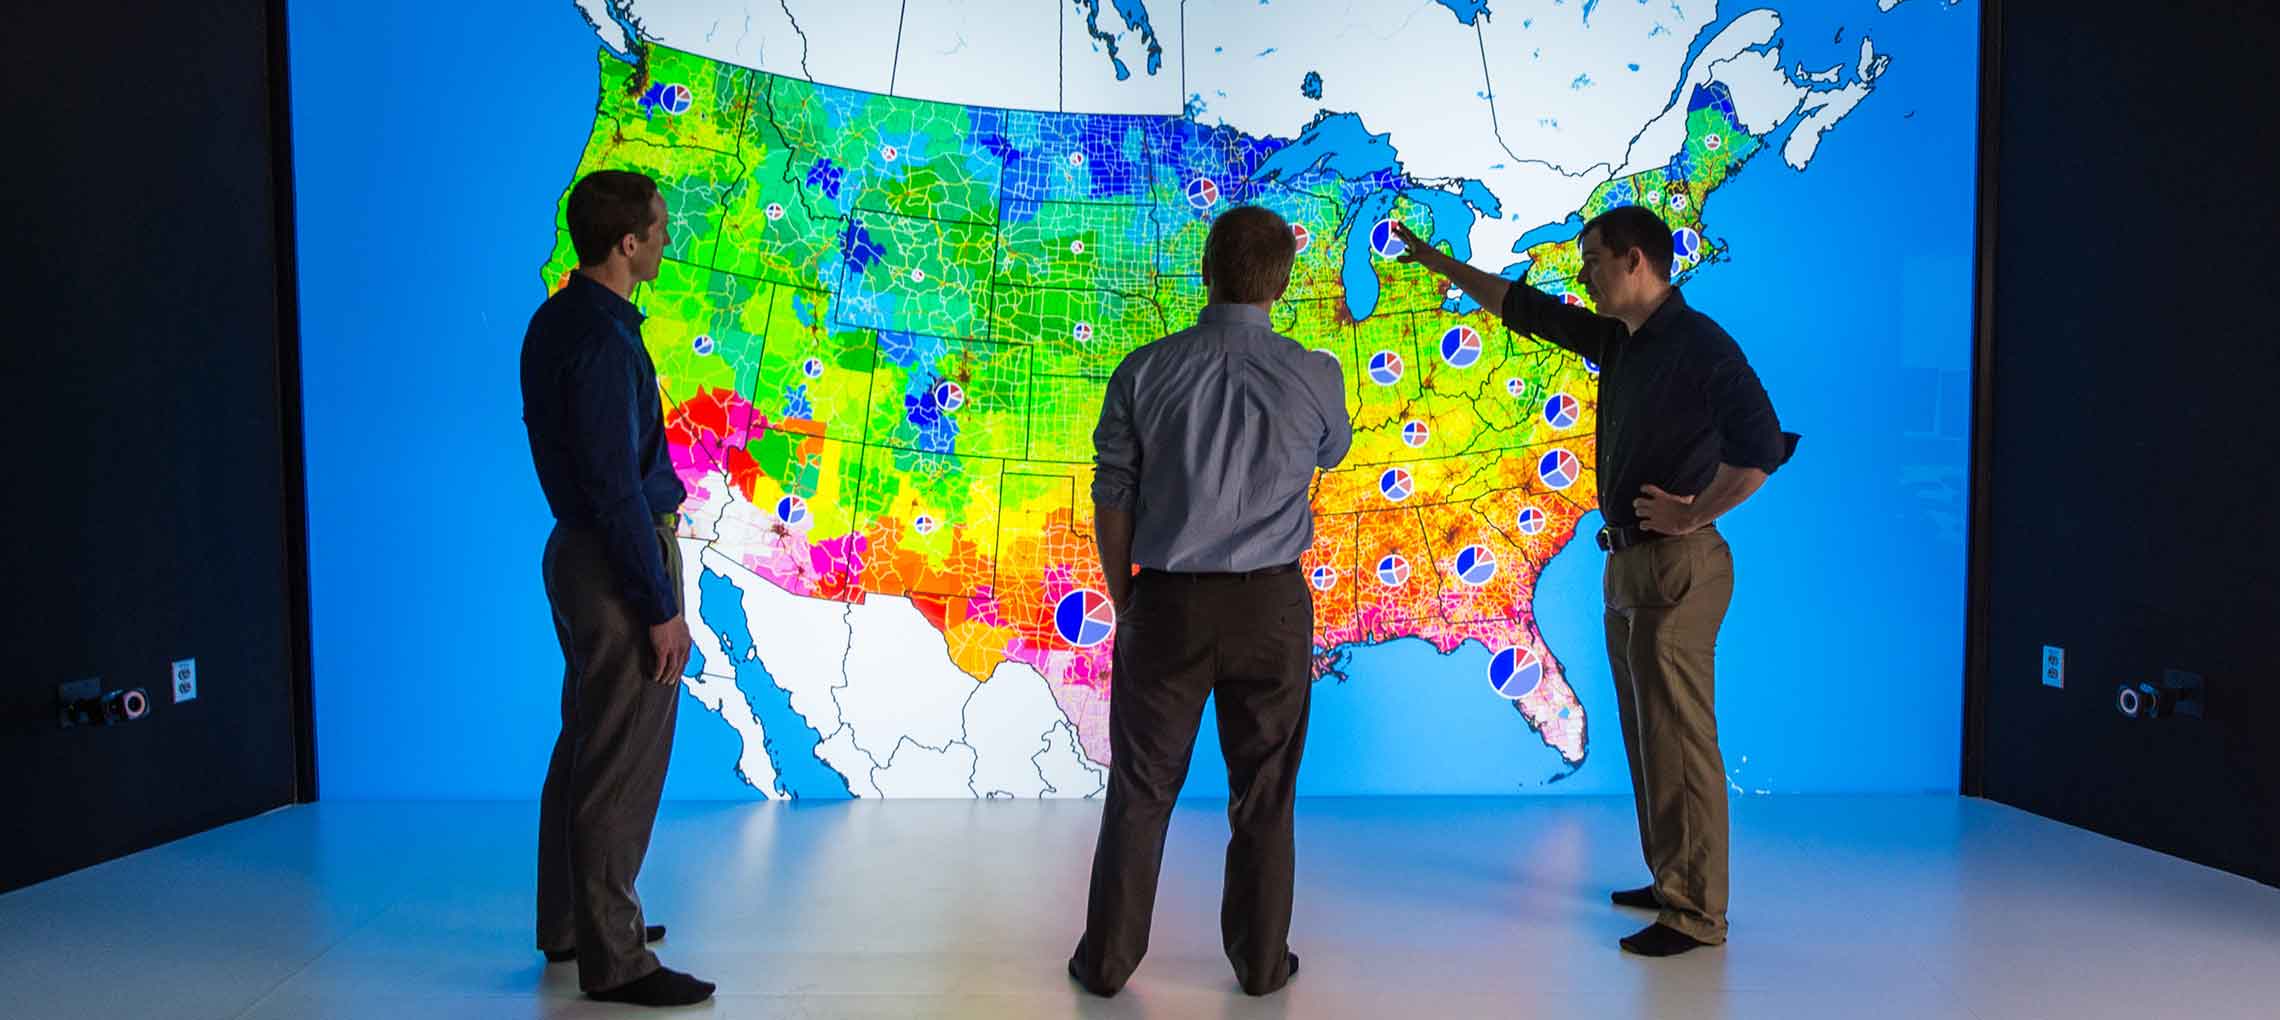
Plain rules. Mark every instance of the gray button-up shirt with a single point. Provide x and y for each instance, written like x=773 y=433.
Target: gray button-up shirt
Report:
x=1210 y=438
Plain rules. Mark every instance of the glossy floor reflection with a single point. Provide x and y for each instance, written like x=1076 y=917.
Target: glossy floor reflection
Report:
x=1864 y=907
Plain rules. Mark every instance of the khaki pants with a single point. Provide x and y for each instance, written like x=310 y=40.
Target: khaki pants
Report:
x=1665 y=601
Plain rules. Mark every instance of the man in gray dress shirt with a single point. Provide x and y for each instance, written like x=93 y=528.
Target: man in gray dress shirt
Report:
x=1208 y=441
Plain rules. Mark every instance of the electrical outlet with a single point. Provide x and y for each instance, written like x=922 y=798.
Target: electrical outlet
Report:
x=185 y=680
x=2054 y=666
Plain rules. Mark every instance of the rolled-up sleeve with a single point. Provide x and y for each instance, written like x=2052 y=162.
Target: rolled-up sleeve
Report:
x=1749 y=434
x=1116 y=447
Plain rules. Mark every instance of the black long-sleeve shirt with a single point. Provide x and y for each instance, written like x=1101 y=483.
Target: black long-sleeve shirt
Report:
x=597 y=434
x=1676 y=399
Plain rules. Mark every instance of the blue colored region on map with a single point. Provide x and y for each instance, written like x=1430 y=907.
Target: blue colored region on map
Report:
x=1135 y=15
x=937 y=431
x=827 y=176
x=1479 y=197
x=858 y=248
x=1469 y=11
x=786 y=735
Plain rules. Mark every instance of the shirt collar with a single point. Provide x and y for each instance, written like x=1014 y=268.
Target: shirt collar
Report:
x=605 y=299
x=1672 y=307
x=1234 y=315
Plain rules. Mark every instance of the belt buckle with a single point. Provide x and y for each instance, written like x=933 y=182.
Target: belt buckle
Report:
x=1606 y=538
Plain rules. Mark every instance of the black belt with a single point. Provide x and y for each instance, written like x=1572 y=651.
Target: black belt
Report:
x=1210 y=575
x=1615 y=538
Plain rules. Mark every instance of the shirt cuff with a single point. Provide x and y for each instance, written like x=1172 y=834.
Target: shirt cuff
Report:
x=1762 y=456
x=1115 y=495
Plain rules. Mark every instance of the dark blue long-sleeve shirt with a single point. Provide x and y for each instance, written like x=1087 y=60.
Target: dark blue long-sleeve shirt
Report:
x=597 y=435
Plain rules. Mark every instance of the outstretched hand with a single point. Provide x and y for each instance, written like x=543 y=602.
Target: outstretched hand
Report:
x=1415 y=250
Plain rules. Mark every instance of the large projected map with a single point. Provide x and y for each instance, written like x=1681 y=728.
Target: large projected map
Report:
x=910 y=242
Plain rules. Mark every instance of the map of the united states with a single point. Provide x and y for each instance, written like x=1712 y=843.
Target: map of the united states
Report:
x=883 y=328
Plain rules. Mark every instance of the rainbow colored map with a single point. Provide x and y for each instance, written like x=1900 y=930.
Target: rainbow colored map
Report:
x=883 y=329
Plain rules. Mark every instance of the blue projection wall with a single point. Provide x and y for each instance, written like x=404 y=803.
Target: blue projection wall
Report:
x=901 y=270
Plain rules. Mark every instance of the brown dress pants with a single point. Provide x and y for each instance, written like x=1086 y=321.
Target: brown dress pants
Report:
x=608 y=770
x=1245 y=638
x=1665 y=602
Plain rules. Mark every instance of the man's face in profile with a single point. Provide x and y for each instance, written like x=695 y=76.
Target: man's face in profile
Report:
x=1600 y=276
x=649 y=248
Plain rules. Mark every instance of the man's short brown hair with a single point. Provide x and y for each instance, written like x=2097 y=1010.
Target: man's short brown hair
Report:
x=1248 y=255
x=605 y=206
x=1634 y=226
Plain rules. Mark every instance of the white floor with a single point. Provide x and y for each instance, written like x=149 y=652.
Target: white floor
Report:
x=1413 y=908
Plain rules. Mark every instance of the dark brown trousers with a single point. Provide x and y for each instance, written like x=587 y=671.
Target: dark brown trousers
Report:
x=1246 y=639
x=608 y=770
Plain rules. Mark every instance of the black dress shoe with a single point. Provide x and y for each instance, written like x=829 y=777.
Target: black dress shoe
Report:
x=1292 y=973
x=1642 y=897
x=1659 y=939
x=662 y=987
x=653 y=933
x=1079 y=977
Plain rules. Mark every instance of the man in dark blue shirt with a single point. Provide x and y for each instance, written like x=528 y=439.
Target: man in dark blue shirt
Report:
x=613 y=578
x=1685 y=434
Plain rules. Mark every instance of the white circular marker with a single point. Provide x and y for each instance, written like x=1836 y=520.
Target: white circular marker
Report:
x=1083 y=332
x=775 y=210
x=889 y=153
x=812 y=368
x=1383 y=243
x=703 y=344
x=1076 y=159
x=1076 y=247
x=1516 y=386
x=1678 y=201
x=1712 y=142
x=1393 y=570
x=924 y=525
x=918 y=275
x=950 y=396
x=1654 y=197
x=1530 y=521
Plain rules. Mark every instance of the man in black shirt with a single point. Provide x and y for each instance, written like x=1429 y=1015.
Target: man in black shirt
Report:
x=613 y=578
x=1685 y=434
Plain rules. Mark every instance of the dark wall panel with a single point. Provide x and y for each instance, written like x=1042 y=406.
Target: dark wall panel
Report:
x=2135 y=451
x=148 y=493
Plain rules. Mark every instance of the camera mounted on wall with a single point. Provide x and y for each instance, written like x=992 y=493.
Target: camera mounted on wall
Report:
x=2179 y=694
x=86 y=703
